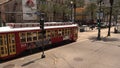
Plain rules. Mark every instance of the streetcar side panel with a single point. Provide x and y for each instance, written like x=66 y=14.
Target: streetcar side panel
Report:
x=16 y=41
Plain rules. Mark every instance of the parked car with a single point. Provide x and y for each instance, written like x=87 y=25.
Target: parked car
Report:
x=83 y=28
x=104 y=25
x=117 y=28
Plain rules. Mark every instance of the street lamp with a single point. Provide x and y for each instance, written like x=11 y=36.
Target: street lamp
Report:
x=43 y=32
x=73 y=10
x=41 y=16
x=111 y=5
x=72 y=15
x=99 y=21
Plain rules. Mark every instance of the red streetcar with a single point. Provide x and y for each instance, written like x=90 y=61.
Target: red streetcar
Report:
x=14 y=40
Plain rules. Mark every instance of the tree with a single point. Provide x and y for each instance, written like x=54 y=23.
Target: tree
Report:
x=106 y=12
x=80 y=3
x=56 y=11
x=91 y=10
x=43 y=8
x=116 y=10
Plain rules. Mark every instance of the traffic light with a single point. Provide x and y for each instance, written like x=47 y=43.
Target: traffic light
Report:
x=42 y=23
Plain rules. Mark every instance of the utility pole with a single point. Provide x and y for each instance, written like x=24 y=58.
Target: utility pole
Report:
x=111 y=6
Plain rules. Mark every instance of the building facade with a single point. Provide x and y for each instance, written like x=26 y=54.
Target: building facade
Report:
x=19 y=11
x=23 y=10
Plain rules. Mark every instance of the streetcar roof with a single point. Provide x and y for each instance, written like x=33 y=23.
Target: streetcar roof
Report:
x=10 y=29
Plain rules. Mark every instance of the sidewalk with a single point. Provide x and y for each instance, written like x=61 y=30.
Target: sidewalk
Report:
x=87 y=52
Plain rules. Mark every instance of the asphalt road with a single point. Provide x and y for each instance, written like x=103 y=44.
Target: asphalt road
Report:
x=86 y=52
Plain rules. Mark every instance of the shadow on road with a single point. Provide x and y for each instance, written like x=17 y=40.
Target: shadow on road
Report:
x=37 y=50
x=30 y=62
x=105 y=39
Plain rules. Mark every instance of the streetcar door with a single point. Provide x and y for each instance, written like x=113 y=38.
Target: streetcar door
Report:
x=11 y=44
x=3 y=45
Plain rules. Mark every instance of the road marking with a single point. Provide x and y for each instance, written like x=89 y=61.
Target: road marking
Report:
x=82 y=40
x=22 y=58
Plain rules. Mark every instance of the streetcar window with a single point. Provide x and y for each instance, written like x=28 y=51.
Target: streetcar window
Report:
x=10 y=49
x=34 y=34
x=9 y=39
x=6 y=51
x=39 y=35
x=23 y=37
x=13 y=50
x=62 y=32
x=1 y=40
x=59 y=32
x=55 y=33
x=13 y=38
x=48 y=34
x=69 y=31
x=29 y=36
x=2 y=52
x=1 y=48
x=65 y=31
x=5 y=40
